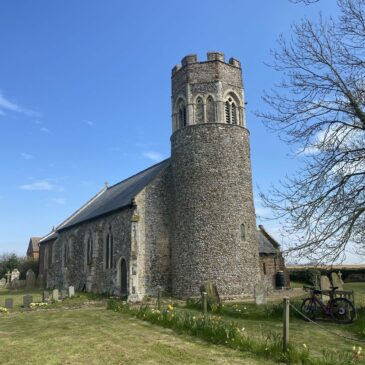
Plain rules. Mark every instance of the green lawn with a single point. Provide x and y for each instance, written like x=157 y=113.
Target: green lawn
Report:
x=97 y=336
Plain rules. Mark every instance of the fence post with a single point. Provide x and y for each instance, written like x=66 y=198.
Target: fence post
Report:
x=286 y=324
x=205 y=304
x=159 y=298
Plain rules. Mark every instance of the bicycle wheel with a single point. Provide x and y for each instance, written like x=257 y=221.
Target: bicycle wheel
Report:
x=342 y=310
x=309 y=308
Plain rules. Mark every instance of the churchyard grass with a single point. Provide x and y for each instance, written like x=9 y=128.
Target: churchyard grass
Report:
x=309 y=344
x=95 y=336
x=79 y=300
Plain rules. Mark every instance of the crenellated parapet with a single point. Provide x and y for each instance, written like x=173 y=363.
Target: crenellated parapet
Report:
x=209 y=91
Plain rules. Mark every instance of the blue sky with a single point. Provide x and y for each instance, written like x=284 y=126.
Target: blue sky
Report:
x=85 y=94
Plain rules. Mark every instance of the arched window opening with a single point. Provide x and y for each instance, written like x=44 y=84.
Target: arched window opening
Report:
x=89 y=250
x=65 y=254
x=50 y=249
x=231 y=111
x=107 y=243
x=243 y=232
x=199 y=110
x=210 y=110
x=264 y=268
x=182 y=114
x=123 y=277
x=109 y=250
x=227 y=109
x=46 y=257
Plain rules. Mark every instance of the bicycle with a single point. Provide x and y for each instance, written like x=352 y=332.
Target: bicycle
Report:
x=341 y=310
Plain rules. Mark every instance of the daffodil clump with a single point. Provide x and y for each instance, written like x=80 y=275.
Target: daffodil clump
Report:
x=3 y=310
x=37 y=305
x=357 y=352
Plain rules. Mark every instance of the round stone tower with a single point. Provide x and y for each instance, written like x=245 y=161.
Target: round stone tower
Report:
x=214 y=235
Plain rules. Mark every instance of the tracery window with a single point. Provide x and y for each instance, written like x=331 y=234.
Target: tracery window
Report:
x=89 y=250
x=199 y=110
x=210 y=110
x=66 y=253
x=231 y=111
x=109 y=250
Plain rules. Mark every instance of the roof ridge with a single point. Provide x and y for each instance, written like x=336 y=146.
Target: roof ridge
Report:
x=138 y=173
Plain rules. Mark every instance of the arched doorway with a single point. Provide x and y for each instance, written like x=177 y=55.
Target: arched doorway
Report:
x=123 y=277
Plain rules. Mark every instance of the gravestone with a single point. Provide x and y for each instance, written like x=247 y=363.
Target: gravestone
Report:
x=15 y=284
x=340 y=276
x=9 y=303
x=260 y=293
x=71 y=291
x=336 y=281
x=212 y=293
x=63 y=294
x=45 y=296
x=14 y=275
x=325 y=285
x=30 y=279
x=55 y=295
x=27 y=299
x=8 y=277
x=2 y=283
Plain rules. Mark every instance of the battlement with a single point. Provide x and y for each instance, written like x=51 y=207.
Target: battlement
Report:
x=211 y=57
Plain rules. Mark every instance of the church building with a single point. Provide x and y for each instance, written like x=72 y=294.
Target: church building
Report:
x=179 y=223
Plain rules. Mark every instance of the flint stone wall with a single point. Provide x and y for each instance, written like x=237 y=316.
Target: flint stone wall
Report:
x=212 y=183
x=77 y=271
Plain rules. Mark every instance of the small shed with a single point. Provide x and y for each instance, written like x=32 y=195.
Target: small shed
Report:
x=33 y=248
x=271 y=258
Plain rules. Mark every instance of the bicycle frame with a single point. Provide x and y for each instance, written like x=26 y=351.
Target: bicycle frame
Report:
x=325 y=307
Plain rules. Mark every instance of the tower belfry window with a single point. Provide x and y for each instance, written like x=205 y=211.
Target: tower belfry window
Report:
x=210 y=110
x=182 y=115
x=231 y=111
x=227 y=108
x=199 y=110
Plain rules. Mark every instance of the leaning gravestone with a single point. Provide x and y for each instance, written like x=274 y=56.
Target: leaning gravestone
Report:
x=63 y=294
x=45 y=296
x=212 y=293
x=27 y=299
x=260 y=293
x=55 y=295
x=30 y=279
x=9 y=303
x=15 y=284
x=14 y=275
x=71 y=291
x=2 y=283
x=325 y=285
x=336 y=281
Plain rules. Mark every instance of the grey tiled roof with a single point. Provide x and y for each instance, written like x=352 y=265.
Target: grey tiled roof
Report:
x=266 y=245
x=49 y=237
x=115 y=197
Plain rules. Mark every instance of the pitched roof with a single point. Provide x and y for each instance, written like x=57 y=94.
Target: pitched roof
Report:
x=49 y=237
x=267 y=244
x=33 y=244
x=114 y=197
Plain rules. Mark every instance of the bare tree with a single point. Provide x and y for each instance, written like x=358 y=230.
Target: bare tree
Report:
x=319 y=108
